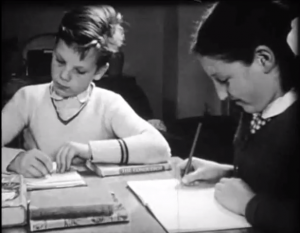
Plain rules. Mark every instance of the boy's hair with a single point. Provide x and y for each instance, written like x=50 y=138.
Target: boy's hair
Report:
x=93 y=26
x=232 y=30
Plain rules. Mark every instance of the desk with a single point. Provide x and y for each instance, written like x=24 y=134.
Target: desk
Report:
x=140 y=219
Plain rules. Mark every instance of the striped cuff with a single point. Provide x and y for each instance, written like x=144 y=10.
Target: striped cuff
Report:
x=124 y=152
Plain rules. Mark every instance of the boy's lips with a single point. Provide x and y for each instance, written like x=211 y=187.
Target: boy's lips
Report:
x=60 y=86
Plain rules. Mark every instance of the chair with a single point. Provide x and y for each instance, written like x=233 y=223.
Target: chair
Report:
x=37 y=54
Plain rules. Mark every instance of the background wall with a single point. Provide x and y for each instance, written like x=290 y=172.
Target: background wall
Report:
x=148 y=54
x=195 y=89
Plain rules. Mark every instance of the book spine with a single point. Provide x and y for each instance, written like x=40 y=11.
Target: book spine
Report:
x=39 y=225
x=71 y=211
x=136 y=169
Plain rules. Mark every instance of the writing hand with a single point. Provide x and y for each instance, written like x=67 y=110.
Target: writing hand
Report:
x=234 y=194
x=70 y=153
x=203 y=170
x=32 y=163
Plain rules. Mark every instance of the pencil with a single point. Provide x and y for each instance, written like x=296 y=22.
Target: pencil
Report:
x=189 y=163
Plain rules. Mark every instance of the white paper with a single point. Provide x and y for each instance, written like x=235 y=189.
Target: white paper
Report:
x=185 y=209
x=55 y=180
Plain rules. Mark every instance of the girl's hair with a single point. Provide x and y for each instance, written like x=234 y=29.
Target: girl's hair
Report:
x=93 y=26
x=232 y=30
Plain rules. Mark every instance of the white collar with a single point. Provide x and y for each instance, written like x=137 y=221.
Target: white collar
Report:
x=279 y=105
x=82 y=97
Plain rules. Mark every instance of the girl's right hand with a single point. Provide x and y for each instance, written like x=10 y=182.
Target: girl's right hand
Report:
x=203 y=170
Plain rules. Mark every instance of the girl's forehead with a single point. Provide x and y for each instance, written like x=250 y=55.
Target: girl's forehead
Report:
x=211 y=66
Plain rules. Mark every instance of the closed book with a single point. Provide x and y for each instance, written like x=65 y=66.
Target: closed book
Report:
x=14 y=200
x=62 y=208
x=118 y=216
x=115 y=170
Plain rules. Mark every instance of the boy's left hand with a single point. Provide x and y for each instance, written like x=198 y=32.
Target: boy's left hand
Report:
x=234 y=194
x=68 y=152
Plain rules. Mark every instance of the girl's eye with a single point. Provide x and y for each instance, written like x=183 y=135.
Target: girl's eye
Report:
x=223 y=81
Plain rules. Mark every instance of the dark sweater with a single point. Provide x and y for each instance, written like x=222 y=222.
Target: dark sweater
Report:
x=268 y=161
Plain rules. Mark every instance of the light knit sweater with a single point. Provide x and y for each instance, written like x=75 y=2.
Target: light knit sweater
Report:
x=105 y=118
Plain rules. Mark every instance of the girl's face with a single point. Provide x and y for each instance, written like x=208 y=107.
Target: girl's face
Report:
x=250 y=87
x=70 y=74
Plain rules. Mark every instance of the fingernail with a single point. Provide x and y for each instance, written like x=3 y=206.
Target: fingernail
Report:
x=184 y=181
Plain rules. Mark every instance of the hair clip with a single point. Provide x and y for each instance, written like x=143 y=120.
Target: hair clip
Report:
x=96 y=43
x=119 y=17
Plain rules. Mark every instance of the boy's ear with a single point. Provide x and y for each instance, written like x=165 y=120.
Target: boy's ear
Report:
x=101 y=71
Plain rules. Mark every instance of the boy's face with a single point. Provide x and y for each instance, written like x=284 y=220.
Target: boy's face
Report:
x=71 y=75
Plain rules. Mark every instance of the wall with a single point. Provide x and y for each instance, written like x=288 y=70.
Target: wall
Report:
x=194 y=87
x=144 y=39
x=144 y=50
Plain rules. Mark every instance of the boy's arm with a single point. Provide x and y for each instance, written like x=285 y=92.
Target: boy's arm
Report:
x=143 y=143
x=14 y=119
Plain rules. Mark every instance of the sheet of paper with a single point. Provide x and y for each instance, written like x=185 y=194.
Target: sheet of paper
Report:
x=56 y=180
x=185 y=209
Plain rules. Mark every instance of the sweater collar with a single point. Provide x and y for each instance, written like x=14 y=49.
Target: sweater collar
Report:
x=82 y=97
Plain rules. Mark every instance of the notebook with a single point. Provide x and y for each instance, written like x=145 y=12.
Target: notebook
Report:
x=55 y=180
x=185 y=209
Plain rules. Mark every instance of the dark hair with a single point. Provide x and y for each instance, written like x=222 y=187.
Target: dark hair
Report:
x=232 y=30
x=93 y=26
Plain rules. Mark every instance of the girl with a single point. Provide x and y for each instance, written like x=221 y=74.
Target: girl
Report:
x=243 y=48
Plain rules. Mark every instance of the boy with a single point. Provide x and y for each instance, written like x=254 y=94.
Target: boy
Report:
x=70 y=118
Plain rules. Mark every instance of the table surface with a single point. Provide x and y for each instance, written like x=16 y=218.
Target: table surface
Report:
x=141 y=221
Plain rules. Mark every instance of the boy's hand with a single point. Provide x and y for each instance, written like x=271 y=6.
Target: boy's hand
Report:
x=69 y=152
x=32 y=163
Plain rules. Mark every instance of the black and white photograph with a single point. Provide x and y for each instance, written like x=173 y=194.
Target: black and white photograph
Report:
x=150 y=116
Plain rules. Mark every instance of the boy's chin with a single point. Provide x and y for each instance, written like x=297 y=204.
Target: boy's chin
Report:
x=63 y=93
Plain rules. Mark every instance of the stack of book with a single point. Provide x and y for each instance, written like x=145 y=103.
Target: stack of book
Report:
x=14 y=200
x=73 y=207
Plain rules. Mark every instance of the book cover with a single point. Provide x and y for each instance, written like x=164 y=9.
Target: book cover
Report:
x=14 y=200
x=77 y=206
x=104 y=170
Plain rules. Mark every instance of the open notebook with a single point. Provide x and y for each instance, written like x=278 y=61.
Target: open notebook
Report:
x=55 y=180
x=185 y=209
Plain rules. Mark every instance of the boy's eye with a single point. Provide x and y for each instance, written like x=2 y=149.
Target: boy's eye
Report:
x=60 y=61
x=80 y=72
